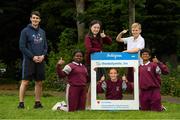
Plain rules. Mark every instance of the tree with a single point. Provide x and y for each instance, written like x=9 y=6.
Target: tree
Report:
x=131 y=12
x=161 y=25
x=80 y=25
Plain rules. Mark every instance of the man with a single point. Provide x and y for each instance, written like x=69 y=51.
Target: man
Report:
x=33 y=46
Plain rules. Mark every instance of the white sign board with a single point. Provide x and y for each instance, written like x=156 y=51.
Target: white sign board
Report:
x=112 y=60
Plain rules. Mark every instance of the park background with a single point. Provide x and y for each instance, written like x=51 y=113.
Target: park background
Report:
x=66 y=22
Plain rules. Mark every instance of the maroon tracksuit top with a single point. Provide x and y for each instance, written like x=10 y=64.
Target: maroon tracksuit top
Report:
x=149 y=83
x=148 y=78
x=77 y=76
x=76 y=90
x=94 y=45
x=113 y=90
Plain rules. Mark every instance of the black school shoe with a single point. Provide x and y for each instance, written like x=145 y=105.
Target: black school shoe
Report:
x=38 y=105
x=21 y=105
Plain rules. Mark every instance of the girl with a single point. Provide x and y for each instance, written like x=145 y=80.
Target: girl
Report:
x=77 y=76
x=113 y=88
x=94 y=41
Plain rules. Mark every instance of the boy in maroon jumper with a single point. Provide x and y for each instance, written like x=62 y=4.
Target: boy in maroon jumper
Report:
x=149 y=82
x=77 y=76
x=113 y=87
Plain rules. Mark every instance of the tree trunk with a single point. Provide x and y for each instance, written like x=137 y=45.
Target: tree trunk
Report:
x=131 y=13
x=80 y=26
x=174 y=61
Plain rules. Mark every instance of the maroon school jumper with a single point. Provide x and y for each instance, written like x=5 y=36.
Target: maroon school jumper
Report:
x=76 y=89
x=94 y=44
x=149 y=83
x=113 y=90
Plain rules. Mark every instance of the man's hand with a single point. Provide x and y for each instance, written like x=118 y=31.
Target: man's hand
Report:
x=36 y=59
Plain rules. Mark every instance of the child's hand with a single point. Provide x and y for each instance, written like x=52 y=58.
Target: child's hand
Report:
x=124 y=31
x=61 y=61
x=102 y=78
x=103 y=34
x=155 y=60
x=124 y=78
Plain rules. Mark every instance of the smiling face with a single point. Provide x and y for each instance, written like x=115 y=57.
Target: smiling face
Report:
x=95 y=28
x=135 y=32
x=113 y=74
x=35 y=20
x=78 y=57
x=145 y=56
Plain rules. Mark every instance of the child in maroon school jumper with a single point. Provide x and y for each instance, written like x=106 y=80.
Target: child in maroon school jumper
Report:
x=150 y=82
x=113 y=88
x=77 y=76
x=94 y=41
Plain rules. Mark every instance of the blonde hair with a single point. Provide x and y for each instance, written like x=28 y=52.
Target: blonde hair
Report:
x=136 y=25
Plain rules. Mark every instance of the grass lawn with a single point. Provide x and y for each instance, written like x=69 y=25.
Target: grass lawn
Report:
x=9 y=102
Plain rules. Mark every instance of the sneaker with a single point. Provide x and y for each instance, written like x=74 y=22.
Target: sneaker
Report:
x=163 y=108
x=57 y=106
x=60 y=106
x=38 y=105
x=88 y=108
x=21 y=105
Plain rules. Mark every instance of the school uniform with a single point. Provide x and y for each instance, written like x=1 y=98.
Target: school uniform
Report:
x=94 y=44
x=149 y=83
x=77 y=76
x=113 y=90
x=131 y=44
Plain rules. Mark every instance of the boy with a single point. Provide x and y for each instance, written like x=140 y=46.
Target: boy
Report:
x=134 y=44
x=149 y=82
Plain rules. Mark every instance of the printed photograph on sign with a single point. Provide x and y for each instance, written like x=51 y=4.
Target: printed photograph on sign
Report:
x=113 y=84
x=114 y=81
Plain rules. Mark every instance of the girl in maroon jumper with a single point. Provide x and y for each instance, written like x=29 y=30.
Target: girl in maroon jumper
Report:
x=150 y=82
x=113 y=88
x=77 y=76
x=94 y=41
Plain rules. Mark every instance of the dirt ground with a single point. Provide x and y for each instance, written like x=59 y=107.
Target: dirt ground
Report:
x=13 y=89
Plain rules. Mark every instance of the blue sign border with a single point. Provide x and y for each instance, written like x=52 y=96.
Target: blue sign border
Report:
x=114 y=56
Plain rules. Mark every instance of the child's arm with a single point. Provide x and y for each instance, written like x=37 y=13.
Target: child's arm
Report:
x=119 y=37
x=134 y=50
x=162 y=68
x=127 y=85
x=124 y=86
x=106 y=39
x=59 y=70
x=101 y=86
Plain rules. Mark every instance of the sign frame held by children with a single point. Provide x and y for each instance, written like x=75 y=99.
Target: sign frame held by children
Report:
x=114 y=60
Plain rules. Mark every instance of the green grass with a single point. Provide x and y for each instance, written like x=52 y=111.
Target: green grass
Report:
x=9 y=102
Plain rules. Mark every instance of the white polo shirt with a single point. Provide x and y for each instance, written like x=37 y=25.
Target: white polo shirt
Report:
x=134 y=43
